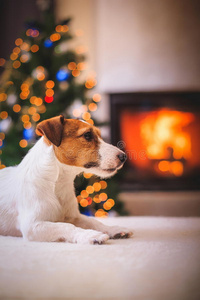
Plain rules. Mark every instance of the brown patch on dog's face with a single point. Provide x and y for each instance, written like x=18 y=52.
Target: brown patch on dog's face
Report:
x=79 y=145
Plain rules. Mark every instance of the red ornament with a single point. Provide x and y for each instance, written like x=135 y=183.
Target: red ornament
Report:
x=48 y=99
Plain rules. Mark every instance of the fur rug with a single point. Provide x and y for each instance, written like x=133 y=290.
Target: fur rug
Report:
x=161 y=261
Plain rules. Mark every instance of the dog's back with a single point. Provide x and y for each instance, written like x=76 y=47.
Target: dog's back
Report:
x=8 y=199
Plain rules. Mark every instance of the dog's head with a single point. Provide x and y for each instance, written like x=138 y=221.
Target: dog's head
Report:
x=77 y=143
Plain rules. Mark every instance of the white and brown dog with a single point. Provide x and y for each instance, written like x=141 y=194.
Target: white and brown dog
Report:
x=37 y=199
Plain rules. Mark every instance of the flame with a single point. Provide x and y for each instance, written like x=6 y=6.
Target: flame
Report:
x=165 y=139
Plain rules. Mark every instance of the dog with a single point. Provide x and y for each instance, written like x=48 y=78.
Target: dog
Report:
x=37 y=198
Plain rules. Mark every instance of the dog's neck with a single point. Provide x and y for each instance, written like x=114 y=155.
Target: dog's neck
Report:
x=41 y=163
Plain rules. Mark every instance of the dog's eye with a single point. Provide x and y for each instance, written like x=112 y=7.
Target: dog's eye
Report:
x=88 y=136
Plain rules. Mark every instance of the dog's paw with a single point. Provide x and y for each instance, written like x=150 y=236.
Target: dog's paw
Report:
x=91 y=237
x=116 y=232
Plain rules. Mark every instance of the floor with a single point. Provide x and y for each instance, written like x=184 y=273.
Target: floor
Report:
x=161 y=261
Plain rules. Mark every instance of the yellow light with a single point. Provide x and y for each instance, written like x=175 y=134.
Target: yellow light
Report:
x=29 y=32
x=24 y=86
x=40 y=69
x=1 y=142
x=103 y=196
x=2 y=62
x=76 y=112
x=97 y=186
x=3 y=115
x=75 y=73
x=90 y=189
x=100 y=213
x=107 y=205
x=92 y=106
x=34 y=48
x=32 y=99
x=86 y=116
x=96 y=199
x=36 y=117
x=16 y=64
x=81 y=66
x=16 y=50
x=23 y=143
x=90 y=121
x=16 y=108
x=2 y=135
x=87 y=175
x=59 y=28
x=40 y=76
x=90 y=83
x=96 y=97
x=49 y=92
x=38 y=101
x=72 y=66
x=18 y=42
x=55 y=37
x=13 y=56
x=32 y=110
x=23 y=95
x=27 y=125
x=24 y=58
x=25 y=118
x=84 y=203
x=42 y=109
x=84 y=194
x=50 y=84
x=65 y=28
x=103 y=184
x=3 y=97
x=25 y=46
x=111 y=201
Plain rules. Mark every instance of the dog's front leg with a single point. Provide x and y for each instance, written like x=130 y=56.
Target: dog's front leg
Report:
x=114 y=232
x=61 y=232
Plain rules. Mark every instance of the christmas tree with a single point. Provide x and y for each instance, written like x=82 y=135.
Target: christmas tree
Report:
x=40 y=81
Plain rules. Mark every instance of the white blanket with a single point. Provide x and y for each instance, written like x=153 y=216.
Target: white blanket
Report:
x=161 y=261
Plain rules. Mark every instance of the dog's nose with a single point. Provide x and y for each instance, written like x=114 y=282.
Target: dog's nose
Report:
x=122 y=157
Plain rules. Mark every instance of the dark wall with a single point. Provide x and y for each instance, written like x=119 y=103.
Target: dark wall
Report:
x=13 y=14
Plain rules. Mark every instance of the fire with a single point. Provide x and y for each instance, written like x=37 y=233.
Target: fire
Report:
x=165 y=139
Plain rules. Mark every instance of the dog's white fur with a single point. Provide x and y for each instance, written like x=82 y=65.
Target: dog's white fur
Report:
x=37 y=199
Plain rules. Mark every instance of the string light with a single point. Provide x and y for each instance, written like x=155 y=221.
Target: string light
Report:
x=50 y=84
x=55 y=37
x=16 y=108
x=23 y=143
x=3 y=115
x=2 y=62
x=16 y=64
x=36 y=117
x=92 y=107
x=100 y=213
x=97 y=186
x=34 y=48
x=3 y=97
x=86 y=116
x=87 y=175
x=18 y=42
x=96 y=97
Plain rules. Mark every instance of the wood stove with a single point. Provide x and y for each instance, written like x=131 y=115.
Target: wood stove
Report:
x=160 y=133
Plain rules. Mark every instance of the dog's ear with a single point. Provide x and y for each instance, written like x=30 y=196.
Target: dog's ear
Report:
x=52 y=129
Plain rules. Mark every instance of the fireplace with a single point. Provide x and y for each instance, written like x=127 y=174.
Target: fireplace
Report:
x=160 y=133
